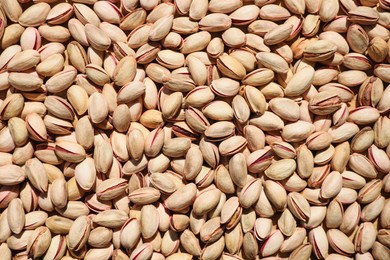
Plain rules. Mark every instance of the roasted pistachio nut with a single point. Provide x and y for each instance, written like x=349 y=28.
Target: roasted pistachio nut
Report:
x=149 y=129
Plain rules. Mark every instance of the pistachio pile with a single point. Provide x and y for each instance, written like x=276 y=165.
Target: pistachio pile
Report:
x=195 y=129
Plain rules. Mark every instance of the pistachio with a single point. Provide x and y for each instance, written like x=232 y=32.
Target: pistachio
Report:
x=246 y=117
